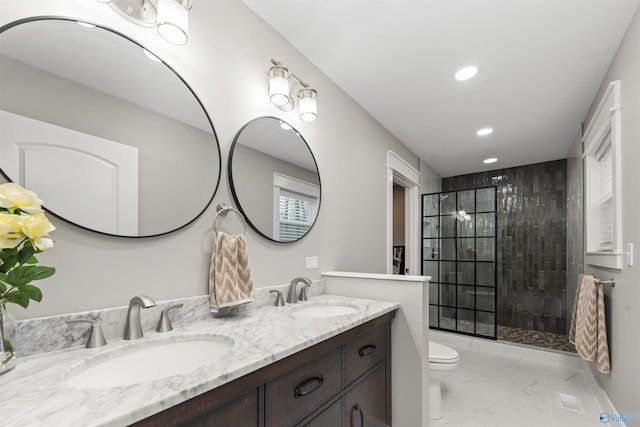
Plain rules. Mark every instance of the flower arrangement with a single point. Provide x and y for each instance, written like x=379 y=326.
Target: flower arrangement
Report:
x=24 y=232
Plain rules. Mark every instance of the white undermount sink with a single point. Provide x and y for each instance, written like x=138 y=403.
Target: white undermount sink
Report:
x=147 y=361
x=325 y=309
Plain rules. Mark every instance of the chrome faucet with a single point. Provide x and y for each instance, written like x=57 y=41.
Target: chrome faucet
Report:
x=292 y=295
x=133 y=327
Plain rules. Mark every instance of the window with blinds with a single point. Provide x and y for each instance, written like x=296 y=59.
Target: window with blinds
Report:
x=296 y=204
x=602 y=184
x=296 y=215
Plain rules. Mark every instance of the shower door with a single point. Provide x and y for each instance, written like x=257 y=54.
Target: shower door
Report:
x=459 y=253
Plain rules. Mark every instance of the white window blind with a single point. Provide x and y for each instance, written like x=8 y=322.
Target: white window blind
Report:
x=296 y=215
x=296 y=204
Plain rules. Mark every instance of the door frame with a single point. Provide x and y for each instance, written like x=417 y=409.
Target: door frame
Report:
x=405 y=175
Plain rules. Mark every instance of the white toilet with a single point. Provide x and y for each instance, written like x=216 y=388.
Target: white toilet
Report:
x=442 y=360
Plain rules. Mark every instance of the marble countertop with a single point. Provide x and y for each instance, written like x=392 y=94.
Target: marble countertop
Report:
x=35 y=393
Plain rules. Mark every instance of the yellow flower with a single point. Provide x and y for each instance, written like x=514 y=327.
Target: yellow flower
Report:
x=37 y=228
x=14 y=196
x=10 y=231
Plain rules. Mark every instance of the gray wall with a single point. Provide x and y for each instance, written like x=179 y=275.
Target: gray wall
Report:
x=226 y=63
x=623 y=302
x=531 y=263
x=575 y=223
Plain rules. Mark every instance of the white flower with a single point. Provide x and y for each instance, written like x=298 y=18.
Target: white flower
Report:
x=14 y=196
x=36 y=228
x=10 y=232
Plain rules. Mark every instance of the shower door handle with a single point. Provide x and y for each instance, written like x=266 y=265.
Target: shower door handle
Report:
x=434 y=253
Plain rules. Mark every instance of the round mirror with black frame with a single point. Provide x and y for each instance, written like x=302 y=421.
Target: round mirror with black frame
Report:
x=109 y=136
x=274 y=179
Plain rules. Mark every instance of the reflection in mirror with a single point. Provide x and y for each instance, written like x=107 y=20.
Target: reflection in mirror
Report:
x=110 y=137
x=274 y=179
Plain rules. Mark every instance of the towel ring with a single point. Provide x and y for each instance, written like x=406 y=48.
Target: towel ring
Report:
x=222 y=211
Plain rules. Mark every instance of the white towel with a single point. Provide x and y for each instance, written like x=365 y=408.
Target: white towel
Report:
x=230 y=280
x=588 y=323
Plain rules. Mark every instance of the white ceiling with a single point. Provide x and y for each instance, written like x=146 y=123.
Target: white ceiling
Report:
x=541 y=63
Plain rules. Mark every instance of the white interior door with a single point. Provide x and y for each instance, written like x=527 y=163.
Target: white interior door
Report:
x=83 y=178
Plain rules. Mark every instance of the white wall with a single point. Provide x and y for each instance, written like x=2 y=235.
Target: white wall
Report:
x=623 y=301
x=430 y=181
x=226 y=63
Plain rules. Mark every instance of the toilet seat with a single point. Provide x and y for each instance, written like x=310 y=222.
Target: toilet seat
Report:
x=439 y=353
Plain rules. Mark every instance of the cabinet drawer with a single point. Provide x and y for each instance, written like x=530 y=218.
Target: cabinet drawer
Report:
x=365 y=352
x=291 y=397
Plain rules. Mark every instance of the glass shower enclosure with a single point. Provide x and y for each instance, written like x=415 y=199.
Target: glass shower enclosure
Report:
x=459 y=253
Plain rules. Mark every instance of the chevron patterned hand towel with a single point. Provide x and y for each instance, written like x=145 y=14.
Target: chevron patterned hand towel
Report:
x=230 y=280
x=588 y=329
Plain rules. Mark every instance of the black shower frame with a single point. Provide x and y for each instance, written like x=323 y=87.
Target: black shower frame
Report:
x=455 y=231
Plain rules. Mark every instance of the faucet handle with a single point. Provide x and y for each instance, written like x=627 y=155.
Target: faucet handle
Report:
x=96 y=337
x=164 y=324
x=279 y=299
x=303 y=292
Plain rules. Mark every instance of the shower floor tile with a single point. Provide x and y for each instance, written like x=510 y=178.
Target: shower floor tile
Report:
x=536 y=339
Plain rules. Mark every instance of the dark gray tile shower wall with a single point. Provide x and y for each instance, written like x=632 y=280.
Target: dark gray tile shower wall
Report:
x=532 y=242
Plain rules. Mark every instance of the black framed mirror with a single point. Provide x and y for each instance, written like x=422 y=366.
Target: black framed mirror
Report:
x=274 y=179
x=110 y=137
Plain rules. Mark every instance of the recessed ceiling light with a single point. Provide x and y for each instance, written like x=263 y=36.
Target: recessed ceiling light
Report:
x=466 y=73
x=490 y=160
x=484 y=131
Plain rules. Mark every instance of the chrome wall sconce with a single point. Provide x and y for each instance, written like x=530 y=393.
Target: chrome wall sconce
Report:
x=170 y=17
x=282 y=83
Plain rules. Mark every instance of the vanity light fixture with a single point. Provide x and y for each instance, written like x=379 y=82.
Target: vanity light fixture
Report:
x=282 y=83
x=170 y=17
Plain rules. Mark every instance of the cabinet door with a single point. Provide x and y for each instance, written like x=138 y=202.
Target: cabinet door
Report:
x=330 y=417
x=295 y=395
x=241 y=412
x=365 y=352
x=205 y=410
x=366 y=403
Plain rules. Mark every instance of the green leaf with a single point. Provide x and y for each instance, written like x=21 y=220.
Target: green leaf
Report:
x=19 y=298
x=3 y=287
x=33 y=292
x=9 y=259
x=32 y=260
x=14 y=276
x=25 y=254
x=33 y=272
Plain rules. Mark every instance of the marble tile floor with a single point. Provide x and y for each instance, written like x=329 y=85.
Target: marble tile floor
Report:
x=490 y=389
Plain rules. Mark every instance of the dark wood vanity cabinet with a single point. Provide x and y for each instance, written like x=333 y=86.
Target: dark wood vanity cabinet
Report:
x=343 y=381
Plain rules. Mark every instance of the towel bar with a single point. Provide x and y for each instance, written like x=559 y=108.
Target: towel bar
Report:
x=223 y=210
x=611 y=282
